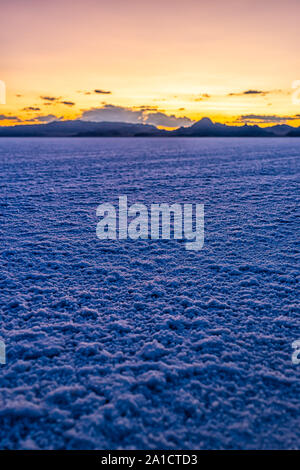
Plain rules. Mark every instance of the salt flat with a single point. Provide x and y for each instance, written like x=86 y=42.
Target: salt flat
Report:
x=140 y=343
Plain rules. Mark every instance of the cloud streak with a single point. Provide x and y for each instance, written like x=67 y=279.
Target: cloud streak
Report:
x=67 y=103
x=31 y=108
x=49 y=98
x=250 y=92
x=56 y=100
x=102 y=92
x=272 y=119
x=5 y=117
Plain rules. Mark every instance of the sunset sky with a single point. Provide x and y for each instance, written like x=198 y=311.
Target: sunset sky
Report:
x=164 y=62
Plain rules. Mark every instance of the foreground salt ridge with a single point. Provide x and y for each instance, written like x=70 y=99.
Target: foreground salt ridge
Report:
x=140 y=344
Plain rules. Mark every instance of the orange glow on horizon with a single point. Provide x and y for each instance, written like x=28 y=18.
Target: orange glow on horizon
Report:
x=231 y=61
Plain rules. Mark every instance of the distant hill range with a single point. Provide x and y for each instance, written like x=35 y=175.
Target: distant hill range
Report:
x=203 y=128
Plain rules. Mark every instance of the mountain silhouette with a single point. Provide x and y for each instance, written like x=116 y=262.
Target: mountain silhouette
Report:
x=203 y=128
x=206 y=128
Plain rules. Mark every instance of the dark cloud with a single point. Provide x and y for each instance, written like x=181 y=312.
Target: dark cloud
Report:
x=49 y=98
x=146 y=108
x=272 y=119
x=5 y=117
x=48 y=118
x=98 y=91
x=102 y=92
x=68 y=103
x=53 y=99
x=142 y=115
x=250 y=92
x=31 y=108
x=255 y=92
